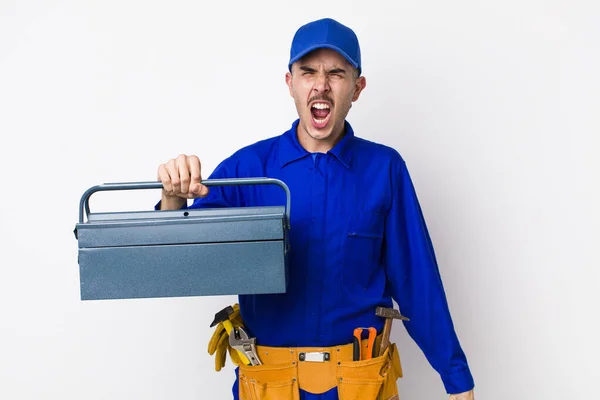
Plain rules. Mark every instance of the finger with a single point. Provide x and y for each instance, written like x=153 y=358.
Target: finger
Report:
x=195 y=175
x=184 y=174
x=214 y=340
x=165 y=179
x=176 y=176
x=221 y=355
x=235 y=356
x=173 y=172
x=219 y=362
x=216 y=337
x=200 y=190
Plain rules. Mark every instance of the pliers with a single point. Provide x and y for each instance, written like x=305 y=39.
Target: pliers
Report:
x=370 y=351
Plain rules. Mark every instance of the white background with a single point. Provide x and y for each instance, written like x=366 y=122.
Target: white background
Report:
x=493 y=104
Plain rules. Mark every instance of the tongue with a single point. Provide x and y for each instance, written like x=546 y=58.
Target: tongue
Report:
x=320 y=114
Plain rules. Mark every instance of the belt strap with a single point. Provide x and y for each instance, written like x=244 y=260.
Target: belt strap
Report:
x=317 y=367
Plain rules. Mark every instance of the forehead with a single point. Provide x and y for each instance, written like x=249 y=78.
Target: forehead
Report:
x=325 y=57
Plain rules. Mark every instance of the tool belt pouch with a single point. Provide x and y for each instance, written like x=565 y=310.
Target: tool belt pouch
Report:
x=268 y=382
x=373 y=379
x=393 y=371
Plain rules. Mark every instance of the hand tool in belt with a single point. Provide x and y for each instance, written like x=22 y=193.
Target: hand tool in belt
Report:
x=223 y=317
x=239 y=340
x=370 y=351
x=389 y=314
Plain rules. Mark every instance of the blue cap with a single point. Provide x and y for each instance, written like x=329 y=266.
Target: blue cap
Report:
x=325 y=33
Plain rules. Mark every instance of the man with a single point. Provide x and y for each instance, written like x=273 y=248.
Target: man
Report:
x=358 y=237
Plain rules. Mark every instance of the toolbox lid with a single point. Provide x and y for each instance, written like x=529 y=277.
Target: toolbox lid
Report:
x=206 y=225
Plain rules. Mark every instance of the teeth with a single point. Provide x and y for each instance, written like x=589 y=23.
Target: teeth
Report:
x=320 y=106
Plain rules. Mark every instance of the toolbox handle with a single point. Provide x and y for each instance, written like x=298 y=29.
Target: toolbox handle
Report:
x=84 y=205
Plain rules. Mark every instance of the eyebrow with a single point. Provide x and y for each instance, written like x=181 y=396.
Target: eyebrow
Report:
x=307 y=69
x=331 y=71
x=337 y=71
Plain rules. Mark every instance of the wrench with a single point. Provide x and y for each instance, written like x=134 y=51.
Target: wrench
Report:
x=239 y=340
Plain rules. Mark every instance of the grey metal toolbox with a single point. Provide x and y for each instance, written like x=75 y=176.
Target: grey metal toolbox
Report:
x=190 y=252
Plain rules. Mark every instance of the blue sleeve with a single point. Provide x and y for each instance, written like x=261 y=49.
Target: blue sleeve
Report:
x=222 y=196
x=416 y=285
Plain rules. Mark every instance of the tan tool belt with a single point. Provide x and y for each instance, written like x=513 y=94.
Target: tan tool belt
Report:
x=317 y=370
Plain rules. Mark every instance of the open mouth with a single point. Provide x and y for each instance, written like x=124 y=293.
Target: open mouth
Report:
x=320 y=114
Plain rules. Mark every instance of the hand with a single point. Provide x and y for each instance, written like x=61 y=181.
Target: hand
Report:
x=181 y=179
x=463 y=396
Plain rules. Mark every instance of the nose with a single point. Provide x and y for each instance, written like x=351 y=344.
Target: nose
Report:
x=321 y=84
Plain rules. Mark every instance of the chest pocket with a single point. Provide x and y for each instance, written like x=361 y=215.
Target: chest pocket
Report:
x=363 y=274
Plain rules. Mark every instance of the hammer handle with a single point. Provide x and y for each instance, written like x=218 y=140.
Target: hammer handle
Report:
x=385 y=336
x=228 y=328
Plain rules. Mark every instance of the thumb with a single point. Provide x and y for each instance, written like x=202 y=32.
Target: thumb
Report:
x=199 y=189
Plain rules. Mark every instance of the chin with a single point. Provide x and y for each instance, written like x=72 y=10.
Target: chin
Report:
x=319 y=134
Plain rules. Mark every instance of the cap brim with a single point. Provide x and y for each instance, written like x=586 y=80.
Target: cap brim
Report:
x=322 y=46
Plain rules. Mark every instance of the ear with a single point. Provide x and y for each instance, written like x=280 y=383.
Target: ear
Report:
x=288 y=81
x=359 y=85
